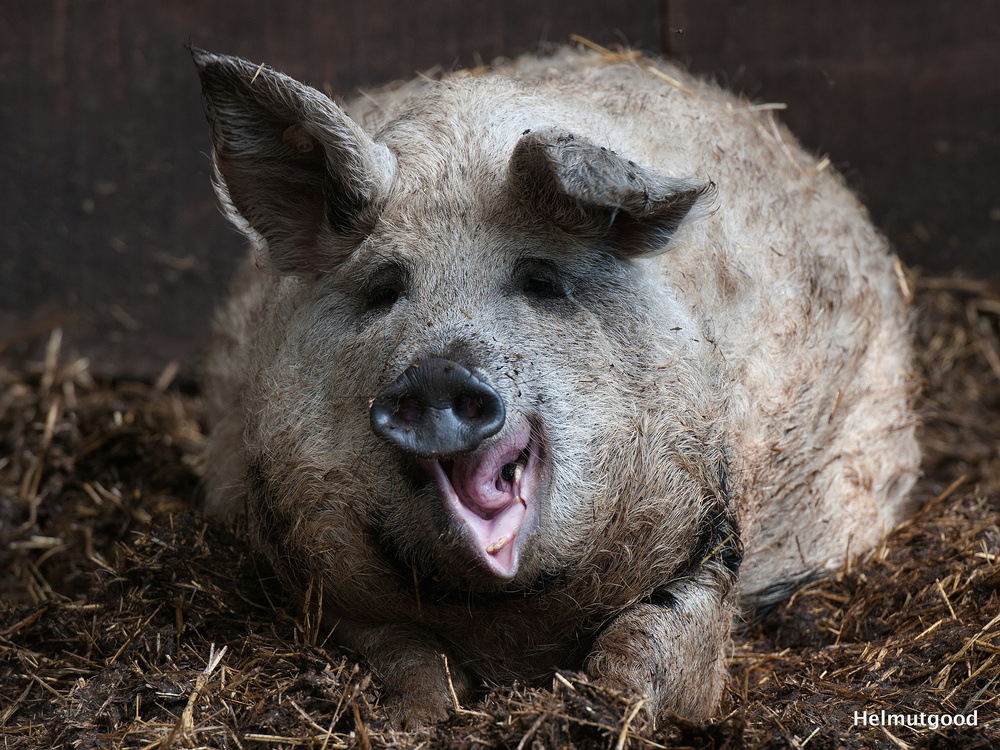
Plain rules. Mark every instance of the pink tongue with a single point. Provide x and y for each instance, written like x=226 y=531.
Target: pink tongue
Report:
x=488 y=502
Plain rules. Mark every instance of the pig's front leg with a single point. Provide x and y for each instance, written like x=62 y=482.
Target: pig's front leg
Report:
x=673 y=652
x=408 y=662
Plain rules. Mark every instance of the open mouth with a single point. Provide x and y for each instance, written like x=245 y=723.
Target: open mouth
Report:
x=492 y=496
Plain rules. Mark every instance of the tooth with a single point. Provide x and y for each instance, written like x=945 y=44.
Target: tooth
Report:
x=518 y=472
x=498 y=545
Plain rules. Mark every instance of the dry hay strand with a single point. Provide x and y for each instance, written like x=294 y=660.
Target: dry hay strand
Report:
x=128 y=621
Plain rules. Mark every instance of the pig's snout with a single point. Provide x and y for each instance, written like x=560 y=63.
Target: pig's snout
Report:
x=437 y=408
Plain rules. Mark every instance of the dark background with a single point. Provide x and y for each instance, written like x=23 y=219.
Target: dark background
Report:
x=109 y=228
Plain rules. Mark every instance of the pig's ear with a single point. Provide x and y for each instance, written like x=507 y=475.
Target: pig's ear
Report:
x=291 y=167
x=585 y=188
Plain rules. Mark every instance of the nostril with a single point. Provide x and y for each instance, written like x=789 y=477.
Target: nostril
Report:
x=408 y=411
x=468 y=406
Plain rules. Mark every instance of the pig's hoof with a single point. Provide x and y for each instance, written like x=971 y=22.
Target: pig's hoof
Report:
x=411 y=711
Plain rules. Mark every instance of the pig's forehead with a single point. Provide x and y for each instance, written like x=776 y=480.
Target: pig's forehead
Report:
x=424 y=235
x=453 y=143
x=469 y=128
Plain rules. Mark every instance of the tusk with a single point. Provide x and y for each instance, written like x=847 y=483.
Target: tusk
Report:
x=518 y=473
x=498 y=545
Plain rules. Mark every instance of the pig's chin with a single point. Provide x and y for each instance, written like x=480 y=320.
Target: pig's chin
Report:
x=492 y=497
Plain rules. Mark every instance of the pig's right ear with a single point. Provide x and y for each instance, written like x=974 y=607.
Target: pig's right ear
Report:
x=293 y=170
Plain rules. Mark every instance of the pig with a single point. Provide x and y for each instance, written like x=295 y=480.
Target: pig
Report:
x=564 y=365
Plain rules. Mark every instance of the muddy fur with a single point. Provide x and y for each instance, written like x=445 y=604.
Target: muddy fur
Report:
x=698 y=323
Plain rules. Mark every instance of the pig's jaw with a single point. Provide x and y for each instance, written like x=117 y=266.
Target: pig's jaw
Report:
x=492 y=497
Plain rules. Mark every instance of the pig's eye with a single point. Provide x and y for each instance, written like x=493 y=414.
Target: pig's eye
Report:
x=541 y=283
x=541 y=288
x=383 y=296
x=384 y=287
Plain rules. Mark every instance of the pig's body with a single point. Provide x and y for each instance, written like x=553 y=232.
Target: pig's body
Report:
x=745 y=389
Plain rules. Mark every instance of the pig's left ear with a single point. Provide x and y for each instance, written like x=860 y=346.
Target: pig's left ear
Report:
x=584 y=188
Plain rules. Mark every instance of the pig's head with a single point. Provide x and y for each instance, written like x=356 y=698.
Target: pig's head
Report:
x=470 y=329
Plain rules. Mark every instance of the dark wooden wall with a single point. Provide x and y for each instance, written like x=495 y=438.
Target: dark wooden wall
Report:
x=904 y=97
x=108 y=226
